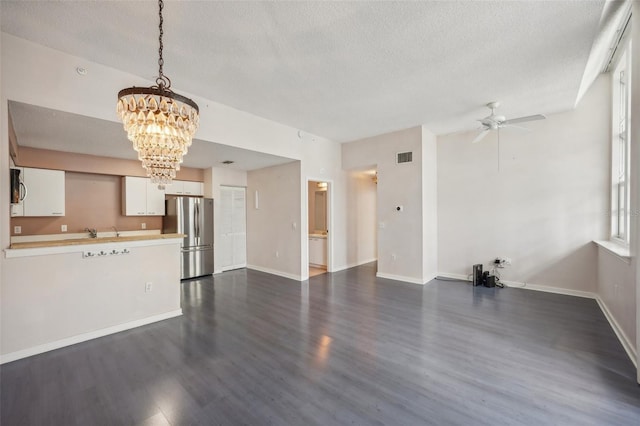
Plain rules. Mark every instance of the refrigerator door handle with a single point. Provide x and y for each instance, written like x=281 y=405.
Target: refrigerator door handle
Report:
x=197 y=220
x=198 y=248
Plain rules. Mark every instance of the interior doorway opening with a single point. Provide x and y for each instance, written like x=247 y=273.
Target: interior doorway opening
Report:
x=318 y=224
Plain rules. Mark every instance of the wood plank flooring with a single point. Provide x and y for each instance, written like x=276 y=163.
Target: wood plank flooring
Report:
x=344 y=348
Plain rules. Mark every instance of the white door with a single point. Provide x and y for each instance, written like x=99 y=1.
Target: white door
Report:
x=233 y=228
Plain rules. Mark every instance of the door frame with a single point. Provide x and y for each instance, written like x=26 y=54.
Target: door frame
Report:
x=234 y=187
x=305 y=252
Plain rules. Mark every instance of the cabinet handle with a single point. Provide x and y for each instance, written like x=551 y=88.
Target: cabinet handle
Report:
x=56 y=213
x=23 y=194
x=142 y=213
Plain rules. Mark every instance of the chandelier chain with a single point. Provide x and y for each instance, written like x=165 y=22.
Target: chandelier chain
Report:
x=162 y=80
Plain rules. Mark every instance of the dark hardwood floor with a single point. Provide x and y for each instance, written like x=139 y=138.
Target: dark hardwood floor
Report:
x=344 y=348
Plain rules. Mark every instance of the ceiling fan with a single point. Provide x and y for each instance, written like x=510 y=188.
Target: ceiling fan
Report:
x=495 y=122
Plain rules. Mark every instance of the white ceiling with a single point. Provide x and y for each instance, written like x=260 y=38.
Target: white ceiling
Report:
x=45 y=128
x=342 y=70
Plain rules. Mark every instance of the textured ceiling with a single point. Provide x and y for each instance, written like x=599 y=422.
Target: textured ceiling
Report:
x=45 y=128
x=342 y=70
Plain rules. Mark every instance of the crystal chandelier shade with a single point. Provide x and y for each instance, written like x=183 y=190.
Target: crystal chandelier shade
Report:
x=159 y=123
x=160 y=127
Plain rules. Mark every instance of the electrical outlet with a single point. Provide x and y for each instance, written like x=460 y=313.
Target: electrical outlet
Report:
x=17 y=229
x=393 y=256
x=148 y=287
x=63 y=228
x=143 y=225
x=501 y=262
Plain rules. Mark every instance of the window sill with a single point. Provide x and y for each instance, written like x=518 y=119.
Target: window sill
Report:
x=617 y=249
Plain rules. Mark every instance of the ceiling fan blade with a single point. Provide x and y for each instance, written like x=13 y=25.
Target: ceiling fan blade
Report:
x=480 y=136
x=513 y=126
x=524 y=119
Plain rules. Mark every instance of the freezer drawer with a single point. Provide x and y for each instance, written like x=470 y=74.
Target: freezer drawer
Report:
x=196 y=262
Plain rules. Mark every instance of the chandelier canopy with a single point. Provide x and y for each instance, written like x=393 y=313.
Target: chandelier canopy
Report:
x=159 y=123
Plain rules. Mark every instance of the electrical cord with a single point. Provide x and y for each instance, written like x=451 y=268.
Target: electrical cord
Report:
x=496 y=274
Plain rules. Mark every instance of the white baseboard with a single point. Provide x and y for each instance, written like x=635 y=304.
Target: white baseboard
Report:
x=453 y=276
x=353 y=265
x=13 y=356
x=430 y=278
x=400 y=278
x=629 y=348
x=548 y=289
x=527 y=286
x=624 y=340
x=275 y=272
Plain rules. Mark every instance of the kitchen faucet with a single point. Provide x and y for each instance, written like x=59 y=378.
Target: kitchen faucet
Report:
x=92 y=232
x=116 y=229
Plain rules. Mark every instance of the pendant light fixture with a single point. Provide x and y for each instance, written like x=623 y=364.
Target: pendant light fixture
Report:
x=159 y=123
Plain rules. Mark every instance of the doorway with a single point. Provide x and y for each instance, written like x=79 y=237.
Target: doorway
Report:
x=318 y=202
x=233 y=228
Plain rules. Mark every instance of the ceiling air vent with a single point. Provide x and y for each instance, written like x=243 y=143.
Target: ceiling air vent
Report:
x=404 y=157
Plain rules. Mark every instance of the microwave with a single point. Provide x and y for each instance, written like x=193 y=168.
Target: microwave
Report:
x=18 y=190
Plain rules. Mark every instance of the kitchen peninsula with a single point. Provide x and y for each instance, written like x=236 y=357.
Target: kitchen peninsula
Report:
x=67 y=291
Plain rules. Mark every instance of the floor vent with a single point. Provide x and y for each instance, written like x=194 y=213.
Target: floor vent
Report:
x=404 y=157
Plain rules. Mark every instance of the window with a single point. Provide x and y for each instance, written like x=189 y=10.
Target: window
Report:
x=620 y=147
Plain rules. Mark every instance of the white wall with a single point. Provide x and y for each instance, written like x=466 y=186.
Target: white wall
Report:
x=273 y=230
x=362 y=223
x=540 y=199
x=49 y=298
x=429 y=205
x=617 y=291
x=400 y=234
x=323 y=162
x=214 y=178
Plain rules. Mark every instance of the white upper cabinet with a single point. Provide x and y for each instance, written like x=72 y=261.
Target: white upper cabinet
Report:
x=193 y=188
x=155 y=199
x=45 y=192
x=140 y=197
x=185 y=187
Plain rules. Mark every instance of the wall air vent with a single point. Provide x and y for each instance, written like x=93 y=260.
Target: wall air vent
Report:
x=404 y=157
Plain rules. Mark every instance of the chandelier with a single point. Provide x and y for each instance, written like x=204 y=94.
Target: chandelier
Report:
x=159 y=123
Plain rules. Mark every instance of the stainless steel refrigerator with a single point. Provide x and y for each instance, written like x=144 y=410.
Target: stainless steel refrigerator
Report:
x=193 y=217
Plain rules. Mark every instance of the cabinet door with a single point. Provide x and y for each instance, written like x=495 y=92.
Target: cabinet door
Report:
x=193 y=188
x=315 y=249
x=318 y=251
x=155 y=199
x=45 y=192
x=176 y=188
x=134 y=196
x=323 y=252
